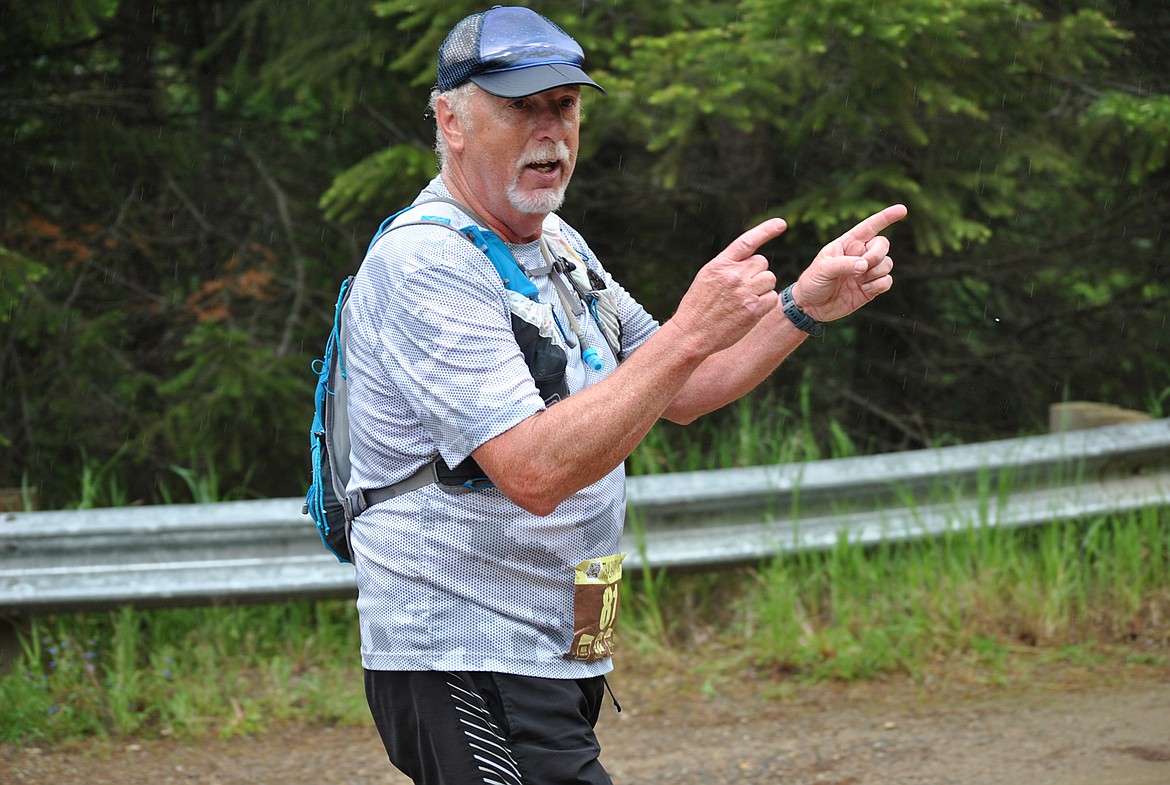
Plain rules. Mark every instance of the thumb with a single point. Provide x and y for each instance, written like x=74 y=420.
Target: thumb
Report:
x=821 y=281
x=834 y=268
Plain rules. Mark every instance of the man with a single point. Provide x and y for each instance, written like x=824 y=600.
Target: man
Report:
x=487 y=613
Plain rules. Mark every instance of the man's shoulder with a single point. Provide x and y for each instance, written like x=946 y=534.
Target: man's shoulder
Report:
x=427 y=232
x=423 y=246
x=436 y=209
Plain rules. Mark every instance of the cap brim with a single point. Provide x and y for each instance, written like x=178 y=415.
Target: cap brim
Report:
x=520 y=82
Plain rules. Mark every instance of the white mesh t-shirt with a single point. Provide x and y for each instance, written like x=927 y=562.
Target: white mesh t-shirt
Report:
x=468 y=581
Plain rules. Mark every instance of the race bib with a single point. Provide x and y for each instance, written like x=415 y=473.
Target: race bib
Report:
x=597 y=585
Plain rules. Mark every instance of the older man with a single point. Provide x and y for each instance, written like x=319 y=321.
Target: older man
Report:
x=498 y=378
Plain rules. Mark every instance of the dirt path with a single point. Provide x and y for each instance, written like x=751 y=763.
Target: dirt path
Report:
x=1088 y=730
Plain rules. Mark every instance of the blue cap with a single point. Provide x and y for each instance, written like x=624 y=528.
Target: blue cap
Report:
x=511 y=52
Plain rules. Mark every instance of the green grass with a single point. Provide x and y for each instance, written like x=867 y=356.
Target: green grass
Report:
x=851 y=613
x=184 y=672
x=754 y=431
x=978 y=602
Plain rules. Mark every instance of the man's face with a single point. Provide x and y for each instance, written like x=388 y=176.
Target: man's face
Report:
x=519 y=153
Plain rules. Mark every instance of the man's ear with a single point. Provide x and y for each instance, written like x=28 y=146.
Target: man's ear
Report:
x=449 y=125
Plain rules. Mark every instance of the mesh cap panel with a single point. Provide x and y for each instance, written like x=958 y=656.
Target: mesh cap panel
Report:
x=459 y=54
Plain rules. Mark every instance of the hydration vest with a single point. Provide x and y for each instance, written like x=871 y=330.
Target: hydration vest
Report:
x=327 y=501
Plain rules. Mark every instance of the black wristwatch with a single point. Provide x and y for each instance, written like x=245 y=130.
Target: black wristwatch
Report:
x=798 y=317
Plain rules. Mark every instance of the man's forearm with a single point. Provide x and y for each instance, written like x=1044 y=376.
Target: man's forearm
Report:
x=549 y=456
x=728 y=375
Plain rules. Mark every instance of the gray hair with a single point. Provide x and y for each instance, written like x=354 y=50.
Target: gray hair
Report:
x=459 y=101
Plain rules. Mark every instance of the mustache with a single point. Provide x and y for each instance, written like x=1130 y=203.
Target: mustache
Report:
x=553 y=151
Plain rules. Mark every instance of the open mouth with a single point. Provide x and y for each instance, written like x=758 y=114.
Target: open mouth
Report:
x=545 y=167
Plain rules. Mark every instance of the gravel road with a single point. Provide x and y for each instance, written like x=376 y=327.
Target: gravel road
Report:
x=1089 y=729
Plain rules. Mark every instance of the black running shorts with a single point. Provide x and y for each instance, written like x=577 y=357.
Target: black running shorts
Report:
x=445 y=728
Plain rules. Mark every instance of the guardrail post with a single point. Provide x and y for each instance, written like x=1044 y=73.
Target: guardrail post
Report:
x=1078 y=415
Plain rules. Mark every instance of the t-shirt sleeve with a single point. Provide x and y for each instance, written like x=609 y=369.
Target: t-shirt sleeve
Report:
x=446 y=342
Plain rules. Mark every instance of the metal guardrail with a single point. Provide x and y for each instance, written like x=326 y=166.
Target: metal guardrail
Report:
x=267 y=550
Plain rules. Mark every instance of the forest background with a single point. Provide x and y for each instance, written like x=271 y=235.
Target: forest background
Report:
x=184 y=183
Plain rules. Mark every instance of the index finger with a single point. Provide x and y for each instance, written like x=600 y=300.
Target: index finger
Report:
x=877 y=223
x=749 y=242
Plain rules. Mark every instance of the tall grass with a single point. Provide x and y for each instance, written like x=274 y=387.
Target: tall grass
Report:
x=102 y=484
x=754 y=431
x=977 y=596
x=974 y=598
x=852 y=612
x=187 y=672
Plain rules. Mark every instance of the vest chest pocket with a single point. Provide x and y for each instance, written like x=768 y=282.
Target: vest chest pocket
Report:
x=545 y=359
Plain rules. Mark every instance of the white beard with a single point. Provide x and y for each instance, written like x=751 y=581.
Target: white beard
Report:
x=547 y=200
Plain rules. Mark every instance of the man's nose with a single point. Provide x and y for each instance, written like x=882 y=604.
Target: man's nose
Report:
x=552 y=125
